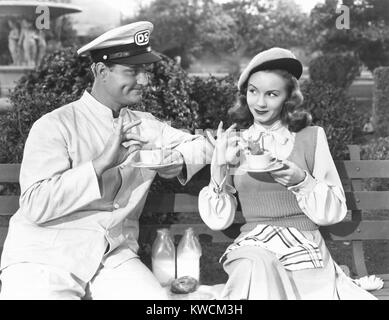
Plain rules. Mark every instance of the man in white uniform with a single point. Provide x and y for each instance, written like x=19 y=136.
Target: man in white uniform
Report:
x=75 y=233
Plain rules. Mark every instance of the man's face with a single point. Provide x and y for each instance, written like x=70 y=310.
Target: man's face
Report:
x=125 y=84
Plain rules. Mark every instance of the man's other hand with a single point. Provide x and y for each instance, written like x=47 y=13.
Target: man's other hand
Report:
x=171 y=156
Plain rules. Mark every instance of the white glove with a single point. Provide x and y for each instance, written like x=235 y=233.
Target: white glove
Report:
x=370 y=283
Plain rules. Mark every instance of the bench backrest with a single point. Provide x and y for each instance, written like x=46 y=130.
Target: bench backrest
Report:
x=351 y=172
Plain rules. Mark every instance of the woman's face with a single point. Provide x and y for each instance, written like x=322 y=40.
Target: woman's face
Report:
x=266 y=94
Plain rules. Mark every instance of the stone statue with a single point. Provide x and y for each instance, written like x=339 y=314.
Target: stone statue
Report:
x=28 y=43
x=13 y=39
x=42 y=45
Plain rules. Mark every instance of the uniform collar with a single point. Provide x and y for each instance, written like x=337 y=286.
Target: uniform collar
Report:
x=278 y=131
x=96 y=106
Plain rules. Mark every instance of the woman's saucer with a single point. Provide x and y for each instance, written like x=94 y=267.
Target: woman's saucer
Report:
x=274 y=166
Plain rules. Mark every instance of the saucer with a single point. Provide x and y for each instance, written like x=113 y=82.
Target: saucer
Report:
x=273 y=166
x=153 y=166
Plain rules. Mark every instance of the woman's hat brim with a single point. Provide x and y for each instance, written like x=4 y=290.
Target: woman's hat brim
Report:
x=272 y=59
x=293 y=66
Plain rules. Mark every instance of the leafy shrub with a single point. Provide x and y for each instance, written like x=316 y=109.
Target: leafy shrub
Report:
x=381 y=100
x=336 y=69
x=214 y=96
x=377 y=149
x=58 y=80
x=168 y=96
x=62 y=77
x=333 y=110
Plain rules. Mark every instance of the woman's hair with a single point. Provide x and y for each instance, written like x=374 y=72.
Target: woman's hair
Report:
x=291 y=114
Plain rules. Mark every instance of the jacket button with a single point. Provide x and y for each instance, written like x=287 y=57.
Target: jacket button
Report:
x=116 y=206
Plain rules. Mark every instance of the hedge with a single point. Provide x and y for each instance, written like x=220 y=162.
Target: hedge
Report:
x=333 y=110
x=376 y=149
x=336 y=69
x=381 y=101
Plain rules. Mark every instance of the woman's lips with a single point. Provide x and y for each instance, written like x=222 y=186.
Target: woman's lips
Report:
x=261 y=112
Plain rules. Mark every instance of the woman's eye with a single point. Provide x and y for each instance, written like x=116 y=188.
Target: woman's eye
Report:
x=272 y=94
x=252 y=90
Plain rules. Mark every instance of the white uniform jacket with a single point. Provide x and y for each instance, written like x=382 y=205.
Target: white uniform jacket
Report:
x=66 y=218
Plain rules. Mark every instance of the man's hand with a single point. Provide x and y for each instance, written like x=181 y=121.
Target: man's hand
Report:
x=173 y=170
x=111 y=156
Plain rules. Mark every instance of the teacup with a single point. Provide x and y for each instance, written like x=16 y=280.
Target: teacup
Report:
x=260 y=161
x=151 y=157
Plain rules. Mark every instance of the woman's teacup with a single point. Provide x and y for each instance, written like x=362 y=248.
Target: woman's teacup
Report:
x=260 y=161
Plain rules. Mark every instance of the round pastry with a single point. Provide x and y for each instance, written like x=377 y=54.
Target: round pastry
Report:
x=184 y=285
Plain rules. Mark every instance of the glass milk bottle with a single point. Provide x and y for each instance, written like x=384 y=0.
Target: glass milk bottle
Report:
x=163 y=257
x=188 y=255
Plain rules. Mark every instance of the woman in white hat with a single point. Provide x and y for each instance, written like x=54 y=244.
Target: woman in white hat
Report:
x=280 y=253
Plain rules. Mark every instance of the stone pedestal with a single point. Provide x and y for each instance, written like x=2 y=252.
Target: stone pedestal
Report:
x=5 y=105
x=8 y=77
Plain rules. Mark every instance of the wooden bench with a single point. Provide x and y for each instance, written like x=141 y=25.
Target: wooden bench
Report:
x=355 y=230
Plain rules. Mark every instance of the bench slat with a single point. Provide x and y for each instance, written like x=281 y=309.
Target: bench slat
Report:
x=362 y=169
x=348 y=169
x=367 y=200
x=357 y=200
x=170 y=202
x=353 y=230
x=165 y=203
x=343 y=231
x=9 y=172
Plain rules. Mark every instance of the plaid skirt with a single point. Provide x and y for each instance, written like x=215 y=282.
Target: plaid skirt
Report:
x=256 y=273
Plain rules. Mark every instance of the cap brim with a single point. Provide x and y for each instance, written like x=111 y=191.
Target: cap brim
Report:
x=291 y=65
x=144 y=58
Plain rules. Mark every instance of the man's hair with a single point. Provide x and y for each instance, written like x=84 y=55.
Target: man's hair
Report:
x=108 y=64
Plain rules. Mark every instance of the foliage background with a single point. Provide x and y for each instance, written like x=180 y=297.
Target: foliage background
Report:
x=187 y=102
x=381 y=101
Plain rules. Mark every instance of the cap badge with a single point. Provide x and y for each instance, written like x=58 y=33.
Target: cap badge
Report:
x=142 y=37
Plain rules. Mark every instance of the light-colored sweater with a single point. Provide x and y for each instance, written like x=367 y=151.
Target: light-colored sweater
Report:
x=263 y=200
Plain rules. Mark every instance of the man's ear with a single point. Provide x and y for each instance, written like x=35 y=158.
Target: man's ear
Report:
x=101 y=70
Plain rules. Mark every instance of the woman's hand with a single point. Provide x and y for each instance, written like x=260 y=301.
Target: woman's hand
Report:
x=289 y=175
x=226 y=146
